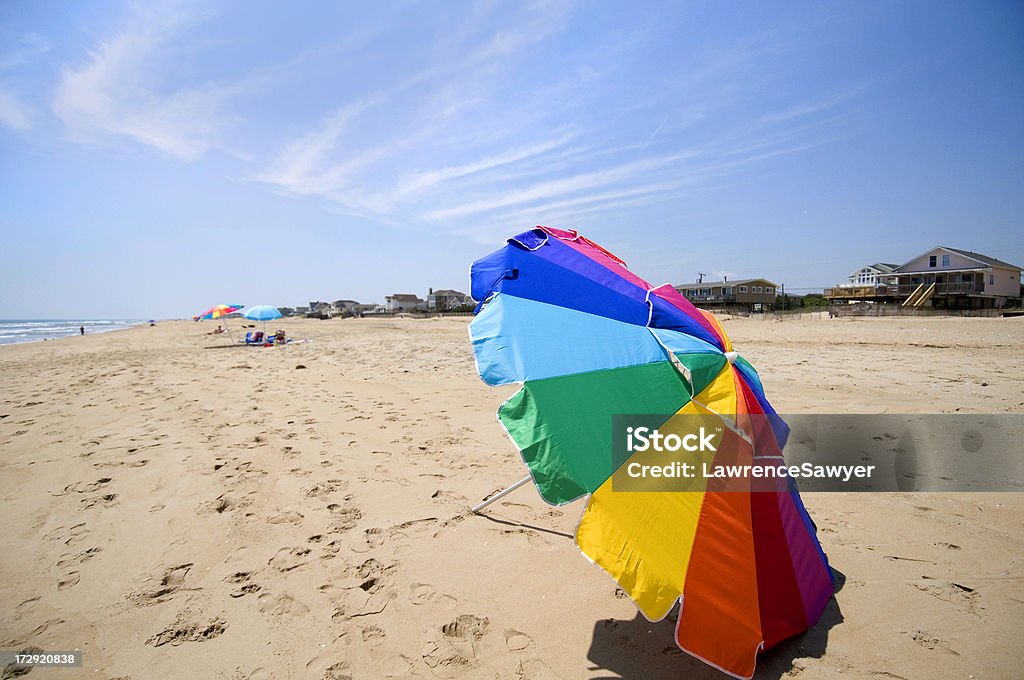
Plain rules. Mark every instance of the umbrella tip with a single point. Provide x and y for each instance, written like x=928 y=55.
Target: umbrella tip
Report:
x=732 y=356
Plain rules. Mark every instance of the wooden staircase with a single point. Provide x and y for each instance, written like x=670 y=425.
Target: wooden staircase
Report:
x=921 y=295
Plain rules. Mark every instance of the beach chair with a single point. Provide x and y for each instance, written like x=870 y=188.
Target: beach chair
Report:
x=248 y=338
x=255 y=339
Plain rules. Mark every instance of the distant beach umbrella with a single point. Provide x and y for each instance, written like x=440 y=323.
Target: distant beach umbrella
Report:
x=262 y=313
x=587 y=339
x=217 y=311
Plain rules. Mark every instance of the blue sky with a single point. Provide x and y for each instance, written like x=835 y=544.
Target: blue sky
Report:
x=157 y=158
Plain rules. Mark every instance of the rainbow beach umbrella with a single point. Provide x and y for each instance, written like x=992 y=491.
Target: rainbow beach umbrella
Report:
x=217 y=311
x=589 y=340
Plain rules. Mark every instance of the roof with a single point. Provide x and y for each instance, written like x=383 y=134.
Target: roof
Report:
x=884 y=266
x=449 y=292
x=712 y=284
x=983 y=258
x=403 y=297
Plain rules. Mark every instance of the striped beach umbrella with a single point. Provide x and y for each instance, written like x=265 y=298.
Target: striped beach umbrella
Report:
x=588 y=340
x=217 y=311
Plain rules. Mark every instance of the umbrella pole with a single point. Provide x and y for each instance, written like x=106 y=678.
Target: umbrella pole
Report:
x=501 y=494
x=228 y=329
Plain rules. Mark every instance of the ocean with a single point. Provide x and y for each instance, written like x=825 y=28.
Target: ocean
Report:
x=29 y=330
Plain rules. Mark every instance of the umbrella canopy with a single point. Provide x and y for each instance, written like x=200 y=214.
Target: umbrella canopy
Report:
x=217 y=311
x=262 y=313
x=588 y=340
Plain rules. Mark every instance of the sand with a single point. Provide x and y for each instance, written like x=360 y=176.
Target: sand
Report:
x=179 y=508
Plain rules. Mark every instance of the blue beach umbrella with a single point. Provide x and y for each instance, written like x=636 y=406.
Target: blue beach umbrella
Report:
x=262 y=313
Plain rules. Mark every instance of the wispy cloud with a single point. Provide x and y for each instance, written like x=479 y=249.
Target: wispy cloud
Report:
x=306 y=166
x=418 y=181
x=553 y=188
x=477 y=127
x=810 y=108
x=121 y=90
x=15 y=111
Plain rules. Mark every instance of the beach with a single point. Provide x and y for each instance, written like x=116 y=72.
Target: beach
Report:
x=177 y=505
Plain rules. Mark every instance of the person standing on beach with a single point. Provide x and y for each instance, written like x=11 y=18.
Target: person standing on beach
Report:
x=81 y=329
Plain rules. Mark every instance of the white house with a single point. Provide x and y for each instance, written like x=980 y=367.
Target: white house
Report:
x=873 y=275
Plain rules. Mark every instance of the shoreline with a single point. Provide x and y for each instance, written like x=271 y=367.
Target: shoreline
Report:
x=68 y=335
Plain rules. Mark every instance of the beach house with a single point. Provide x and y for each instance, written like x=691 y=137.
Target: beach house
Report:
x=942 y=277
x=404 y=302
x=872 y=283
x=745 y=295
x=873 y=275
x=958 y=279
x=344 y=307
x=446 y=299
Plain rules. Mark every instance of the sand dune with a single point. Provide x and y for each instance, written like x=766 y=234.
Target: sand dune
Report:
x=175 y=507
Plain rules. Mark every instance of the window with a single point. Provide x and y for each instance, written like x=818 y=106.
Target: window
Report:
x=743 y=289
x=770 y=290
x=705 y=291
x=991 y=279
x=945 y=260
x=967 y=278
x=757 y=289
x=932 y=260
x=727 y=290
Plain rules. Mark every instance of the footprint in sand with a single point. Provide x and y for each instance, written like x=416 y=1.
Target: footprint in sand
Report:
x=224 y=503
x=242 y=578
x=535 y=669
x=441 y=496
x=344 y=517
x=373 y=635
x=424 y=593
x=281 y=606
x=68 y=536
x=82 y=487
x=106 y=500
x=330 y=550
x=69 y=581
x=186 y=631
x=286 y=517
x=931 y=642
x=516 y=641
x=451 y=652
x=68 y=559
x=321 y=489
x=466 y=627
x=397 y=533
x=396 y=666
x=26 y=607
x=155 y=589
x=371 y=575
x=534 y=538
x=22 y=640
x=328 y=668
x=287 y=559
